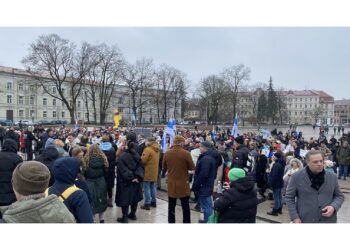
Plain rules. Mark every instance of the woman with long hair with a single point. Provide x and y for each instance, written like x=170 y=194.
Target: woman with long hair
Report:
x=130 y=173
x=96 y=168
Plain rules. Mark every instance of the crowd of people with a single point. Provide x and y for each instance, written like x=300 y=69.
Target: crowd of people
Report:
x=68 y=175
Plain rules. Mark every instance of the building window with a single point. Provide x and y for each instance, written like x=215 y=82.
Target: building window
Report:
x=121 y=110
x=20 y=113
x=79 y=115
x=301 y=113
x=86 y=115
x=120 y=101
x=301 y=99
x=32 y=114
x=20 y=100
x=62 y=103
x=54 y=91
x=296 y=113
x=31 y=101
x=79 y=104
x=305 y=105
x=54 y=114
x=44 y=101
x=300 y=105
x=63 y=114
x=53 y=102
x=20 y=87
x=9 y=99
x=9 y=85
x=45 y=114
x=296 y=106
x=63 y=91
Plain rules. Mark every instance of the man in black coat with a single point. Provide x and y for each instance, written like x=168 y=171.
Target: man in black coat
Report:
x=2 y=135
x=241 y=154
x=11 y=134
x=9 y=160
x=204 y=178
x=239 y=202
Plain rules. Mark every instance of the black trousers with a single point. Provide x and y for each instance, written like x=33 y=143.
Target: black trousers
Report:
x=186 y=213
x=125 y=210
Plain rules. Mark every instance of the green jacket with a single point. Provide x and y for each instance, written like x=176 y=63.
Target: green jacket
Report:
x=343 y=156
x=44 y=210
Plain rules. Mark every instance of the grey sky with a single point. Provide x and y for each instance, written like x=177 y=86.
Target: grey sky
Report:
x=296 y=58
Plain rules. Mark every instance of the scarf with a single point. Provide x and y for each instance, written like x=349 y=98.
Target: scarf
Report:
x=316 y=179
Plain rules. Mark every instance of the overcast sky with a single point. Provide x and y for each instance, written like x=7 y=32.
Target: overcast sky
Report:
x=296 y=58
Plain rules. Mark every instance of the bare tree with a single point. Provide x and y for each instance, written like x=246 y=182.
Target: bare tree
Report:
x=178 y=91
x=213 y=91
x=316 y=113
x=235 y=76
x=54 y=62
x=166 y=78
x=145 y=71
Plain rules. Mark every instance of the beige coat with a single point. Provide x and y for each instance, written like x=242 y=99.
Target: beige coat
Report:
x=150 y=159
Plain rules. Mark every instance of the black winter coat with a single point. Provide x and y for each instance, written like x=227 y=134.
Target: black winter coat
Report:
x=239 y=203
x=241 y=156
x=260 y=172
x=48 y=157
x=129 y=167
x=111 y=157
x=9 y=159
x=205 y=174
x=275 y=180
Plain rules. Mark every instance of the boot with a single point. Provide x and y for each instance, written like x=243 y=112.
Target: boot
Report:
x=132 y=216
x=102 y=221
x=153 y=204
x=123 y=219
x=273 y=212
x=146 y=207
x=279 y=210
x=109 y=202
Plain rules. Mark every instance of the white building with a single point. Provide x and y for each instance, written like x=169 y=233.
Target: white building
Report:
x=22 y=98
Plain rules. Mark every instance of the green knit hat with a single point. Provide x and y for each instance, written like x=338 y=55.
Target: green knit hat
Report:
x=235 y=174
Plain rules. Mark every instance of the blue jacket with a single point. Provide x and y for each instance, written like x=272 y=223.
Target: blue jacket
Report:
x=205 y=174
x=65 y=171
x=275 y=180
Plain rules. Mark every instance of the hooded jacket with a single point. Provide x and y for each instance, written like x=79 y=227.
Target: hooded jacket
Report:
x=275 y=180
x=109 y=151
x=50 y=209
x=48 y=157
x=9 y=160
x=65 y=171
x=239 y=203
x=150 y=159
x=205 y=174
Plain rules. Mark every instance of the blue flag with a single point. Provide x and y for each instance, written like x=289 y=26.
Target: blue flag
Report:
x=234 y=132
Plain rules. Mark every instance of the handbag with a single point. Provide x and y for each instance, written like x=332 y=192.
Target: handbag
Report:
x=214 y=218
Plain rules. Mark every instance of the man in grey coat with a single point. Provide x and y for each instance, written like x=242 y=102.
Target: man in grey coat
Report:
x=313 y=194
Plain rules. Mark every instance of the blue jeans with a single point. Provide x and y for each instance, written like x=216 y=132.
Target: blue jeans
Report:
x=343 y=171
x=277 y=197
x=207 y=205
x=149 y=189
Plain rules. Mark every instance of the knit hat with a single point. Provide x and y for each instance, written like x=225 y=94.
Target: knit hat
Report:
x=239 y=139
x=235 y=174
x=30 y=177
x=277 y=155
x=179 y=139
x=206 y=144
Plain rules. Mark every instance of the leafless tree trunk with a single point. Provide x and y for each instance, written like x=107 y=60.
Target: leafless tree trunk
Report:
x=235 y=76
x=54 y=62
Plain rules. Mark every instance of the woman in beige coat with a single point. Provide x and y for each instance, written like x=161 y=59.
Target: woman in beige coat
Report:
x=150 y=159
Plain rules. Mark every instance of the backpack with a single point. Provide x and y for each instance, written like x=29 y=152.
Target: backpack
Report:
x=65 y=194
